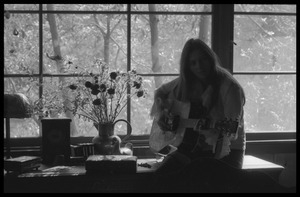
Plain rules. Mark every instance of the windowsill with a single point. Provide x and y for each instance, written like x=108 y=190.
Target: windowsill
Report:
x=142 y=140
x=257 y=143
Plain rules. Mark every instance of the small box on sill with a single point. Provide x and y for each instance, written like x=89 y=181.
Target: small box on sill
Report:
x=111 y=164
x=22 y=163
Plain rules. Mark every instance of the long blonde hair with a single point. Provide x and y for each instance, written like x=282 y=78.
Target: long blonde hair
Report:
x=183 y=89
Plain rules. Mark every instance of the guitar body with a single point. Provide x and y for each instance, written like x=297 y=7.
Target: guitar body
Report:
x=218 y=132
x=226 y=128
x=158 y=138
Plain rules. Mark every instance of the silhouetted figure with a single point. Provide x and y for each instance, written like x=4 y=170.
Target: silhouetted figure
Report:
x=201 y=114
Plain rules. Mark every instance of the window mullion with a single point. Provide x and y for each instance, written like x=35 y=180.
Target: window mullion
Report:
x=40 y=57
x=128 y=61
x=222 y=33
x=40 y=50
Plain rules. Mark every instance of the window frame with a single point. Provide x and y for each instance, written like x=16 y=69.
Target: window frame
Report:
x=222 y=28
x=223 y=18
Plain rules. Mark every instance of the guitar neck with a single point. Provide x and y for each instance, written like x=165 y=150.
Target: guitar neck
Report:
x=226 y=127
x=190 y=123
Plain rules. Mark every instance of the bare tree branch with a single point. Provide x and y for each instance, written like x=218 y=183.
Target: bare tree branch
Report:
x=11 y=81
x=100 y=27
x=117 y=55
x=114 y=27
x=58 y=59
x=156 y=66
x=125 y=52
x=263 y=30
x=142 y=15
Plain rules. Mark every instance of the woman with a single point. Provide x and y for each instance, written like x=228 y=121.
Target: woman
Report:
x=203 y=91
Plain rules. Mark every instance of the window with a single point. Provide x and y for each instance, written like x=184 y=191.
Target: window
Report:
x=263 y=56
x=264 y=62
x=80 y=32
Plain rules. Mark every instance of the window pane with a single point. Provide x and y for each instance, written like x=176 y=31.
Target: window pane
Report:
x=264 y=43
x=172 y=33
x=173 y=7
x=21 y=6
x=28 y=127
x=89 y=7
x=21 y=38
x=87 y=129
x=25 y=85
x=264 y=8
x=121 y=126
x=270 y=102
x=82 y=38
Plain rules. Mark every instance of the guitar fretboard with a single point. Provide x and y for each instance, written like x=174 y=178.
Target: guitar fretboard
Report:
x=187 y=123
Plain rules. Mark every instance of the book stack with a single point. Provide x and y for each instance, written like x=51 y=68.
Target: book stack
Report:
x=22 y=164
x=111 y=164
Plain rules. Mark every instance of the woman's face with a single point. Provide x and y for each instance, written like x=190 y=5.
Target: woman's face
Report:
x=199 y=64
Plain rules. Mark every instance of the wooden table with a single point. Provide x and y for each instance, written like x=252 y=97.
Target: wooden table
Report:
x=75 y=180
x=252 y=163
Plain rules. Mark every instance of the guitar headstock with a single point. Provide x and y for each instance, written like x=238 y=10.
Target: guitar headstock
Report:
x=227 y=126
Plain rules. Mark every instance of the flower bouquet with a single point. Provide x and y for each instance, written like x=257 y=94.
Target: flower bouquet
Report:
x=101 y=96
x=98 y=95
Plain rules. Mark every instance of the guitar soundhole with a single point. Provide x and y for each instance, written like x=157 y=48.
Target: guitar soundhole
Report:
x=173 y=122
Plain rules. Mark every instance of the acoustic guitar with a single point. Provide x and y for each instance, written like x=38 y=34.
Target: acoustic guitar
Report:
x=176 y=119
